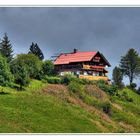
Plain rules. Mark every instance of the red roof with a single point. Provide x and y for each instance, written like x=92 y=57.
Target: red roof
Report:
x=74 y=57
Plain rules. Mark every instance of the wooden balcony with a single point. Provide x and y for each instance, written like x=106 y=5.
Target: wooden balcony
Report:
x=95 y=68
x=90 y=77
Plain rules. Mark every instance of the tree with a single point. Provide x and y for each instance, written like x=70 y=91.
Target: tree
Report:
x=138 y=90
x=133 y=86
x=6 y=77
x=130 y=65
x=117 y=77
x=34 y=49
x=6 y=48
x=20 y=72
x=32 y=63
x=48 y=67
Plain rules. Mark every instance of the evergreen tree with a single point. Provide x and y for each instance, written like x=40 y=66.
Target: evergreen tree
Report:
x=34 y=49
x=19 y=70
x=6 y=78
x=48 y=67
x=130 y=65
x=6 y=48
x=117 y=77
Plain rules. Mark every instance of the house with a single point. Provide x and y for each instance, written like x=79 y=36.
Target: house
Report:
x=89 y=65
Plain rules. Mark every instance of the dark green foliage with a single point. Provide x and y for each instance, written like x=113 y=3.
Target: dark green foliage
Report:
x=138 y=91
x=52 y=79
x=130 y=65
x=6 y=48
x=111 y=89
x=48 y=68
x=117 y=77
x=66 y=79
x=106 y=106
x=125 y=97
x=34 y=49
x=133 y=86
x=6 y=78
x=79 y=90
x=32 y=63
x=20 y=72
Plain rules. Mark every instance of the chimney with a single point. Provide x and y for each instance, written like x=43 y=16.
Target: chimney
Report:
x=75 y=51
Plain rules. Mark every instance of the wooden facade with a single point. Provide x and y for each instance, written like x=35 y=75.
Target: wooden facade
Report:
x=89 y=65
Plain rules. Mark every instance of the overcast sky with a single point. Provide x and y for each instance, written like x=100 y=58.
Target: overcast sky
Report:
x=111 y=31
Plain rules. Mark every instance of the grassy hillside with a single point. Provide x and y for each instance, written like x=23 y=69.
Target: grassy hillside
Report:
x=49 y=108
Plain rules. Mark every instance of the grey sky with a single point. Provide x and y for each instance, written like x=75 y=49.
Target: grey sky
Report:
x=109 y=30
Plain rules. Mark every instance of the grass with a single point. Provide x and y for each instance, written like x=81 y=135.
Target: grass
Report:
x=22 y=112
x=34 y=110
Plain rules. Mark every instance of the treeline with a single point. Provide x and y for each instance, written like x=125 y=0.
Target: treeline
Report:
x=21 y=68
x=129 y=67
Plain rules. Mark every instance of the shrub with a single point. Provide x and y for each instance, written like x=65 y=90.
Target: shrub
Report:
x=48 y=68
x=87 y=82
x=133 y=86
x=20 y=73
x=32 y=63
x=138 y=91
x=106 y=106
x=111 y=89
x=66 y=79
x=52 y=79
x=125 y=97
x=6 y=78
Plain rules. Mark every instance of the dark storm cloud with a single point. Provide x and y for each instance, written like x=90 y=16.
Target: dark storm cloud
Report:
x=109 y=30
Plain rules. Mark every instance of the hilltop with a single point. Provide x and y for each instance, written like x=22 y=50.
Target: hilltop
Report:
x=59 y=108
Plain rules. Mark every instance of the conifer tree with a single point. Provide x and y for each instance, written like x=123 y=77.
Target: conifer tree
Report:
x=6 y=48
x=34 y=49
x=117 y=76
x=130 y=65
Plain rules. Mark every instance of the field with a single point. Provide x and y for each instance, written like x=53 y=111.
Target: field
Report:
x=48 y=108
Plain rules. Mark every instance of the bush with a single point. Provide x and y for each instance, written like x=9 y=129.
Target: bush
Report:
x=138 y=91
x=125 y=97
x=87 y=82
x=6 y=78
x=106 y=106
x=52 y=79
x=48 y=68
x=33 y=64
x=133 y=86
x=20 y=73
x=66 y=79
x=111 y=89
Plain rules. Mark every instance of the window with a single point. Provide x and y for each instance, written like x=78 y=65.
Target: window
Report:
x=85 y=73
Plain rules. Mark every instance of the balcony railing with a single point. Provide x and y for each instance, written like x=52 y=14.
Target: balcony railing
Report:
x=95 y=68
x=90 y=77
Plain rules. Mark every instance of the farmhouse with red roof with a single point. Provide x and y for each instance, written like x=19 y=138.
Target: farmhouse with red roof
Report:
x=89 y=65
